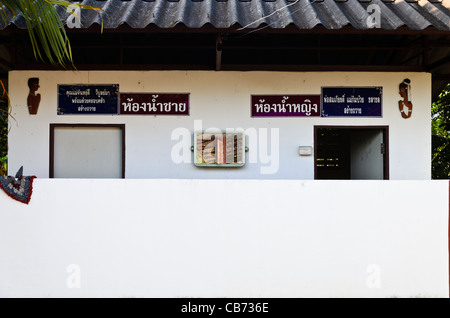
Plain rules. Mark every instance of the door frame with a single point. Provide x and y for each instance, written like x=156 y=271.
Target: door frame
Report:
x=385 y=130
x=52 y=142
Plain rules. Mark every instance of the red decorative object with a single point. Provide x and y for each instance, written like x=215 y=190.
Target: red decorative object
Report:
x=19 y=188
x=405 y=105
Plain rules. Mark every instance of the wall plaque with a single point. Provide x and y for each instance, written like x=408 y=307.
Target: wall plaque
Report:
x=88 y=99
x=219 y=149
x=285 y=105
x=154 y=104
x=352 y=101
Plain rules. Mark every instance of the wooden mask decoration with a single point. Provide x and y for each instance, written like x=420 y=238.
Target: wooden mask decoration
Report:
x=405 y=105
x=33 y=99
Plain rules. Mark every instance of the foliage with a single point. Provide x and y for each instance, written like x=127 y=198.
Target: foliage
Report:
x=441 y=158
x=47 y=34
x=441 y=135
x=4 y=112
x=49 y=43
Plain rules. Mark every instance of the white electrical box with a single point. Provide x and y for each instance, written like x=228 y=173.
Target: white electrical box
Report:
x=305 y=151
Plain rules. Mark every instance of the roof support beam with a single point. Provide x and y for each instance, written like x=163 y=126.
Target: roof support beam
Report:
x=442 y=77
x=439 y=63
x=219 y=48
x=235 y=67
x=6 y=63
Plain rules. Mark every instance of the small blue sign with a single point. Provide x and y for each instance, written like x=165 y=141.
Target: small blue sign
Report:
x=352 y=101
x=88 y=99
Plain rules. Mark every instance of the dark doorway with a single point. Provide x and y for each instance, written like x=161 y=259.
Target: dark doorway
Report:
x=351 y=152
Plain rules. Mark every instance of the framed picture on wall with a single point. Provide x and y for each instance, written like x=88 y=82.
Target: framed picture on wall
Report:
x=219 y=149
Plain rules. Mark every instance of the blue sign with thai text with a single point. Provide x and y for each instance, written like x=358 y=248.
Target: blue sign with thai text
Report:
x=88 y=99
x=352 y=101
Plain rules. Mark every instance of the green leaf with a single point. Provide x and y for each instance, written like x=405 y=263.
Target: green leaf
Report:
x=48 y=37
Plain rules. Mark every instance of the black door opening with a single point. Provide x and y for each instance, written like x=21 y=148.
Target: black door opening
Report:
x=351 y=152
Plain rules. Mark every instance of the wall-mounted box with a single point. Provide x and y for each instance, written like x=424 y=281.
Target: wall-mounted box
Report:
x=219 y=149
x=305 y=151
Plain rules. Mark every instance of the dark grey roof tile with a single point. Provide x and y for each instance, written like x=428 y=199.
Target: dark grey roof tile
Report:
x=251 y=14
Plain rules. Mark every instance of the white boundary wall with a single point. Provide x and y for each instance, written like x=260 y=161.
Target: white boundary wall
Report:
x=226 y=238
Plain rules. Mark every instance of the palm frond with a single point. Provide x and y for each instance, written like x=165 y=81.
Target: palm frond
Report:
x=47 y=34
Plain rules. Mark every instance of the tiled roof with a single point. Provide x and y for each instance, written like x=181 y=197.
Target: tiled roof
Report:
x=275 y=14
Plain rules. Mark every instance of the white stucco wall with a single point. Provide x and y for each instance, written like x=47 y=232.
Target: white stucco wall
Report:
x=226 y=238
x=222 y=100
